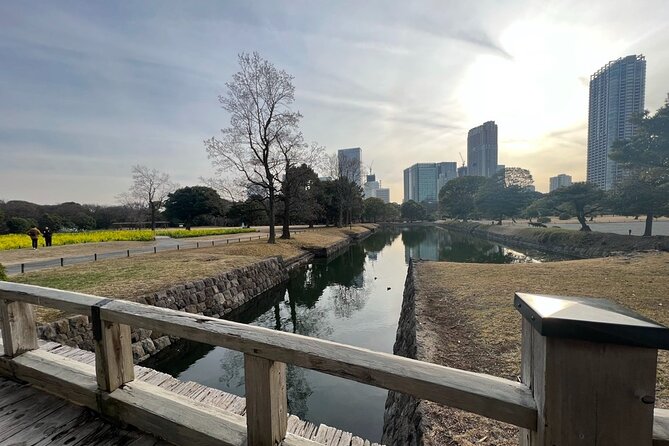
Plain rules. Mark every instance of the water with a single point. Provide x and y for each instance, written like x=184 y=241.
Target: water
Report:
x=354 y=299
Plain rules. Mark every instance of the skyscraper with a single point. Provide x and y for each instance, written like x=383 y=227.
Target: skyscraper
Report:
x=371 y=186
x=383 y=193
x=423 y=181
x=562 y=180
x=350 y=164
x=482 y=150
x=617 y=92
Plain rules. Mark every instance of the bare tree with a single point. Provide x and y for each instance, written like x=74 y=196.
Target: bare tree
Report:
x=258 y=99
x=347 y=192
x=148 y=191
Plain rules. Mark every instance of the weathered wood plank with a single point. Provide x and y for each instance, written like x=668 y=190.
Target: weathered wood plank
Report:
x=29 y=411
x=19 y=333
x=486 y=395
x=113 y=356
x=173 y=417
x=661 y=427
x=43 y=429
x=266 y=403
x=68 y=301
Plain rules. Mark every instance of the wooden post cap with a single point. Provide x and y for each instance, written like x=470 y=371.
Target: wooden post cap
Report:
x=590 y=319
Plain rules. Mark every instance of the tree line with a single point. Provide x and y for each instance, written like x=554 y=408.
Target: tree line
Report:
x=642 y=190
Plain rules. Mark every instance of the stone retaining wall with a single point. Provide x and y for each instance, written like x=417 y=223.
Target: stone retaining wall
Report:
x=403 y=418
x=214 y=296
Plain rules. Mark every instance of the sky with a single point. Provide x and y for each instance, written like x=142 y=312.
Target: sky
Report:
x=89 y=89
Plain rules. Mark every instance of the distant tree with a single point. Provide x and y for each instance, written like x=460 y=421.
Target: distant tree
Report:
x=580 y=199
x=259 y=100
x=302 y=187
x=373 y=209
x=249 y=213
x=347 y=193
x=517 y=176
x=457 y=198
x=413 y=211
x=188 y=203
x=645 y=158
x=506 y=194
x=52 y=221
x=18 y=225
x=149 y=190
x=392 y=212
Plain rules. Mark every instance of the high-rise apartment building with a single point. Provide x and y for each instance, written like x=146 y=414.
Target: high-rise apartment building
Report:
x=561 y=180
x=350 y=164
x=482 y=150
x=423 y=181
x=371 y=186
x=617 y=92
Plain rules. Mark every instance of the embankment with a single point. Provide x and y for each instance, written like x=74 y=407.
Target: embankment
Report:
x=214 y=296
x=574 y=244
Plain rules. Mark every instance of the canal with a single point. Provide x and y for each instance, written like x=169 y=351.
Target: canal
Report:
x=354 y=299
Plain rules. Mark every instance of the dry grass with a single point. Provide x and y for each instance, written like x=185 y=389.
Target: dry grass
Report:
x=136 y=276
x=468 y=321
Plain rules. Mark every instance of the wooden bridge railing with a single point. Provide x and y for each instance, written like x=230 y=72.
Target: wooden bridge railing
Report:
x=552 y=405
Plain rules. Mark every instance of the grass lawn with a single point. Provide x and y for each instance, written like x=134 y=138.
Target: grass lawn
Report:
x=143 y=274
x=468 y=321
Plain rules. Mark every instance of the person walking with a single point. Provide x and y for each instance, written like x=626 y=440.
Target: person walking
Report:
x=47 y=236
x=34 y=234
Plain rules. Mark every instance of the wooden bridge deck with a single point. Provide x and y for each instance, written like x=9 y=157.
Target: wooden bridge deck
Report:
x=30 y=417
x=52 y=419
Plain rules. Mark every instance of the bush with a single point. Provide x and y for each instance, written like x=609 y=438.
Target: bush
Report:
x=544 y=219
x=3 y=272
x=564 y=216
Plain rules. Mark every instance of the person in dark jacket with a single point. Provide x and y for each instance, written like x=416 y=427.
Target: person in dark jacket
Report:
x=47 y=236
x=34 y=234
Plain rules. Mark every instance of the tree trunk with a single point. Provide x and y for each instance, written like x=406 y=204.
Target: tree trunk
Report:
x=648 y=231
x=584 y=225
x=270 y=217
x=341 y=216
x=152 y=206
x=285 y=232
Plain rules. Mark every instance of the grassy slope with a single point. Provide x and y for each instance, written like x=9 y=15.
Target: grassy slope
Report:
x=472 y=324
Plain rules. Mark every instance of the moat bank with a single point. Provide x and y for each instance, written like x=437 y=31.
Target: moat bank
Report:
x=472 y=325
x=575 y=244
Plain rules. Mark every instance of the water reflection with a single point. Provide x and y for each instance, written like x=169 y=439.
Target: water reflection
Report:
x=430 y=243
x=354 y=299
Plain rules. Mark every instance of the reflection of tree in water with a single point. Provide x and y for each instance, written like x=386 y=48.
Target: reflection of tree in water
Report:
x=472 y=250
x=348 y=300
x=415 y=235
x=379 y=240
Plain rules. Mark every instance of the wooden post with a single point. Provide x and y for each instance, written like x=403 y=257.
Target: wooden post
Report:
x=113 y=352
x=591 y=365
x=19 y=333
x=266 y=401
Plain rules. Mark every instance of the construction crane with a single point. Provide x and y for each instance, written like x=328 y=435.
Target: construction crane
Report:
x=463 y=160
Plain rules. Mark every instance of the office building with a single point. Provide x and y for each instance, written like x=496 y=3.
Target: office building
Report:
x=617 y=93
x=423 y=181
x=383 y=193
x=350 y=164
x=371 y=186
x=482 y=150
x=446 y=171
x=462 y=171
x=562 y=180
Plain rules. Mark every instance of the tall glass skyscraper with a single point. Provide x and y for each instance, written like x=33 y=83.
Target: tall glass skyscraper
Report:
x=423 y=181
x=482 y=150
x=350 y=164
x=617 y=92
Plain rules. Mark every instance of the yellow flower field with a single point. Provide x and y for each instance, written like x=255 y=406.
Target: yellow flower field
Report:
x=182 y=233
x=16 y=241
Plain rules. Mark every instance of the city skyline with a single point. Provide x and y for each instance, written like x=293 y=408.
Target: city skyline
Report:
x=88 y=93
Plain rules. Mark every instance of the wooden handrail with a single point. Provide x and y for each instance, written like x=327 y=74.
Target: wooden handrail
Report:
x=486 y=395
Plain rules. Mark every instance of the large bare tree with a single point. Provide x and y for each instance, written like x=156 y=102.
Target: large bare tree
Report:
x=149 y=191
x=248 y=153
